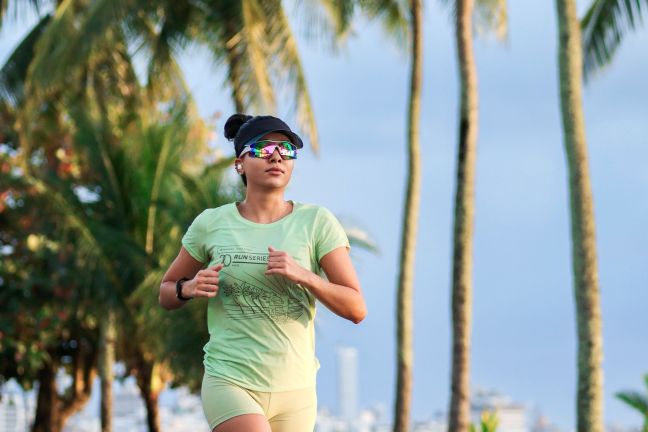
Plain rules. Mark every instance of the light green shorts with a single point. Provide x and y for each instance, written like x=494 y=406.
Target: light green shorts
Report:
x=288 y=411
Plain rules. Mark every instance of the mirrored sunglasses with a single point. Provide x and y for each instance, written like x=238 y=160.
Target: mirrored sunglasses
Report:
x=265 y=148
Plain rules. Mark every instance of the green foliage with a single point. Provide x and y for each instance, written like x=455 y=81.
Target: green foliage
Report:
x=260 y=54
x=113 y=172
x=490 y=16
x=72 y=259
x=14 y=71
x=638 y=401
x=44 y=315
x=489 y=422
x=604 y=26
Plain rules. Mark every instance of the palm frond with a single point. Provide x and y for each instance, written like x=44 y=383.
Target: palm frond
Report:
x=167 y=37
x=326 y=20
x=70 y=210
x=78 y=32
x=254 y=36
x=393 y=14
x=165 y=156
x=103 y=161
x=603 y=28
x=360 y=237
x=14 y=71
x=53 y=50
x=635 y=400
x=289 y=65
x=340 y=14
x=17 y=7
x=491 y=16
x=235 y=34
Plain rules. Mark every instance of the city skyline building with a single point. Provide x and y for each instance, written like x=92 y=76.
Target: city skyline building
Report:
x=347 y=382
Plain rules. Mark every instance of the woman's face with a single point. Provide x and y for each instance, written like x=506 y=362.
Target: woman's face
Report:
x=272 y=173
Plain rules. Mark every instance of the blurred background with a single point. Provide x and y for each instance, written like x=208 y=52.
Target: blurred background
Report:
x=111 y=142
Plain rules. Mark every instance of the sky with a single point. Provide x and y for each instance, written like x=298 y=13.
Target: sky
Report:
x=523 y=329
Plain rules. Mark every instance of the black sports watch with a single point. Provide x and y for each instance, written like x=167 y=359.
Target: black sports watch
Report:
x=179 y=289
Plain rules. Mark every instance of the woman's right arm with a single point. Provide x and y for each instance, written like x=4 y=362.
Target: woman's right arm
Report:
x=201 y=283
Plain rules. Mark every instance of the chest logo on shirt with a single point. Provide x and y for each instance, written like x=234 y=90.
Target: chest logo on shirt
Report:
x=243 y=258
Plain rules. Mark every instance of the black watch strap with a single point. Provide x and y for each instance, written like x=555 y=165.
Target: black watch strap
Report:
x=179 y=289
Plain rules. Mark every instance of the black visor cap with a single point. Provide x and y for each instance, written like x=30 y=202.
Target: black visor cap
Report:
x=261 y=125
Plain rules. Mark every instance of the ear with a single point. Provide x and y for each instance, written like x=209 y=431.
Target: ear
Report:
x=238 y=165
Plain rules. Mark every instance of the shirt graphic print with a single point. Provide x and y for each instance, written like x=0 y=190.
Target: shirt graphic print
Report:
x=253 y=294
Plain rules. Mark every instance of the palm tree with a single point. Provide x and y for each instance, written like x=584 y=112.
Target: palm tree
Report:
x=175 y=28
x=253 y=38
x=603 y=28
x=410 y=222
x=96 y=135
x=493 y=14
x=44 y=300
x=23 y=71
x=146 y=180
x=586 y=287
x=459 y=419
x=637 y=401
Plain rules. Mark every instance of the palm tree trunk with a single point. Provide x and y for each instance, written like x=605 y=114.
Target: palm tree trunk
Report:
x=586 y=290
x=83 y=373
x=410 y=222
x=463 y=223
x=106 y=362
x=52 y=409
x=152 y=410
x=234 y=64
x=47 y=418
x=150 y=385
x=235 y=81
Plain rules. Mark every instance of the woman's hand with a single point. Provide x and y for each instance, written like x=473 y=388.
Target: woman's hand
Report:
x=204 y=284
x=281 y=263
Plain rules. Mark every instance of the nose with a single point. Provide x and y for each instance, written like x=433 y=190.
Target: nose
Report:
x=275 y=156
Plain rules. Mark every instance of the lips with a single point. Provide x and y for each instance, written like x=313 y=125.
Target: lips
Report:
x=275 y=170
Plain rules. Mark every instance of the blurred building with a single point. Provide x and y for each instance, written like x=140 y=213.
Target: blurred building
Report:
x=347 y=382
x=543 y=424
x=16 y=408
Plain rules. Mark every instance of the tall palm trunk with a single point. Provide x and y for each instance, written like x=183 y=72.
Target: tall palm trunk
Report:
x=150 y=384
x=233 y=63
x=47 y=418
x=52 y=409
x=410 y=221
x=463 y=222
x=106 y=362
x=586 y=290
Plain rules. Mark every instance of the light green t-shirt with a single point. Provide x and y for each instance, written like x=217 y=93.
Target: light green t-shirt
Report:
x=261 y=328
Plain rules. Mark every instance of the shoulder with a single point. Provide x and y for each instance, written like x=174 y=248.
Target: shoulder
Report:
x=318 y=217
x=313 y=211
x=212 y=214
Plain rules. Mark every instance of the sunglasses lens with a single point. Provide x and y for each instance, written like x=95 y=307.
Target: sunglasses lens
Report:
x=265 y=148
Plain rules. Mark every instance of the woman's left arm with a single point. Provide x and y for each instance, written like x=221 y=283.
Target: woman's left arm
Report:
x=341 y=293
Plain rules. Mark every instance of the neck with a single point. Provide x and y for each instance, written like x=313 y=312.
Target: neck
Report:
x=265 y=207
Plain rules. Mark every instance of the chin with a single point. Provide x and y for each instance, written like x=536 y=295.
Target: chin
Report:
x=274 y=183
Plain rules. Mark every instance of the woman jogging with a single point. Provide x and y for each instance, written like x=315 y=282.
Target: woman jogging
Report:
x=258 y=264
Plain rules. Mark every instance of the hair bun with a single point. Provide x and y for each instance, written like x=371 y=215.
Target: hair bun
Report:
x=234 y=123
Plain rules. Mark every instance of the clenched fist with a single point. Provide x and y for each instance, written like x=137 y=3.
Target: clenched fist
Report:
x=281 y=263
x=204 y=284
